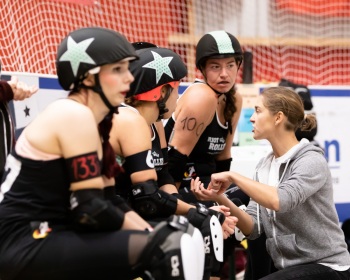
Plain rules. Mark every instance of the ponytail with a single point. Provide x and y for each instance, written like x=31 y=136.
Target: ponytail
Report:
x=110 y=168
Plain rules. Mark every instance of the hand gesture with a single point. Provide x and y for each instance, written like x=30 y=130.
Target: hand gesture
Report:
x=21 y=90
x=228 y=226
x=220 y=182
x=200 y=192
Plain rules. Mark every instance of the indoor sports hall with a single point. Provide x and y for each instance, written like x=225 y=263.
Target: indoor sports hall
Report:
x=304 y=44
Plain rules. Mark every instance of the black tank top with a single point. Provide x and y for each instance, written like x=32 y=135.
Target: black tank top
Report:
x=211 y=143
x=158 y=157
x=34 y=190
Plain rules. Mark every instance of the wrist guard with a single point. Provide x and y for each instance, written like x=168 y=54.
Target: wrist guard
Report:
x=197 y=215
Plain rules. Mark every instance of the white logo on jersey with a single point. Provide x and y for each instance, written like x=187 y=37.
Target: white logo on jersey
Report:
x=175 y=263
x=12 y=169
x=149 y=159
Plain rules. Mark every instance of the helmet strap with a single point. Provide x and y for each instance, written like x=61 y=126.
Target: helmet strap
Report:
x=97 y=88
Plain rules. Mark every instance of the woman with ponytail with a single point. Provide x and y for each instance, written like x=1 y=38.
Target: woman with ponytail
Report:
x=59 y=216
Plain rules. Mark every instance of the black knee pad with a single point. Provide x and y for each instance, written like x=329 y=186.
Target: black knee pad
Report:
x=170 y=253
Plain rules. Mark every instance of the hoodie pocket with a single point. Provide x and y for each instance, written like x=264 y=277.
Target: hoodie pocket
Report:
x=287 y=248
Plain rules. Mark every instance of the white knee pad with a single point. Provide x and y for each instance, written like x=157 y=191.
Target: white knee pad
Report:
x=217 y=238
x=189 y=259
x=197 y=238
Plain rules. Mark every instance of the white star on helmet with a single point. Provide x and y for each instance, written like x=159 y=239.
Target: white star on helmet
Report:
x=76 y=53
x=161 y=65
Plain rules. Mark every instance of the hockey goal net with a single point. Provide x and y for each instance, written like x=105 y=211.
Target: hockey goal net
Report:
x=306 y=41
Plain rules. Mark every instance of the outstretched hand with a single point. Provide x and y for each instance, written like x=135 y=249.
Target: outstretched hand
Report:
x=228 y=226
x=202 y=193
x=21 y=90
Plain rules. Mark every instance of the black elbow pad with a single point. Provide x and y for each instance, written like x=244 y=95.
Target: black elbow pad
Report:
x=118 y=201
x=151 y=202
x=90 y=211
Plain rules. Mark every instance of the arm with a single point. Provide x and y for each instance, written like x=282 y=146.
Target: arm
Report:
x=194 y=111
x=136 y=146
x=15 y=90
x=182 y=207
x=265 y=195
x=130 y=135
x=6 y=93
x=112 y=217
x=244 y=223
x=132 y=220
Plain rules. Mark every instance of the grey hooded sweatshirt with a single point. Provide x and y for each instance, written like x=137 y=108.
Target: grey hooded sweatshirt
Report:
x=306 y=227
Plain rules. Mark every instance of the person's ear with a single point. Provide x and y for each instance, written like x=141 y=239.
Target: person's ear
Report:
x=279 y=118
x=163 y=91
x=89 y=80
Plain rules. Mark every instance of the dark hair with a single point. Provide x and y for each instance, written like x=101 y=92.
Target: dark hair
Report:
x=287 y=101
x=230 y=108
x=110 y=167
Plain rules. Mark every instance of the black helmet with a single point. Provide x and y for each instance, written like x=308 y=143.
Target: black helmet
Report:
x=143 y=45
x=217 y=44
x=88 y=48
x=155 y=68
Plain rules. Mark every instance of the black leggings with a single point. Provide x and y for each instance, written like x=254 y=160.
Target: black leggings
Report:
x=259 y=262
x=71 y=255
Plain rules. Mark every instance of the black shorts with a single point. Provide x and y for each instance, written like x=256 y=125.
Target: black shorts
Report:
x=70 y=255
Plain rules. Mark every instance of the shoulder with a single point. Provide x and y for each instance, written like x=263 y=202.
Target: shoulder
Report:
x=67 y=105
x=239 y=98
x=130 y=132
x=199 y=101
x=127 y=117
x=198 y=93
x=310 y=159
x=65 y=112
